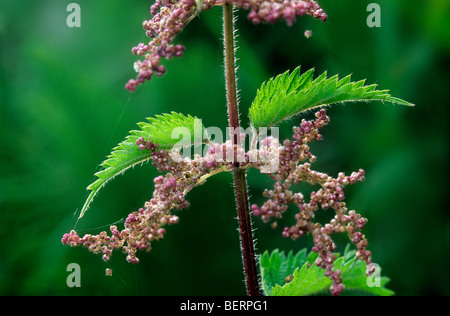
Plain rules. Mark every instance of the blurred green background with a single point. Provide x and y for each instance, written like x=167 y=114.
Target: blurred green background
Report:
x=64 y=107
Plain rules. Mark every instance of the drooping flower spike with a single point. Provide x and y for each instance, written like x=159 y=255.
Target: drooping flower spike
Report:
x=293 y=160
x=170 y=17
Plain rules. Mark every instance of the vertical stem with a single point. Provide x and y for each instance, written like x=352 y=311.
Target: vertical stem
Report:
x=240 y=184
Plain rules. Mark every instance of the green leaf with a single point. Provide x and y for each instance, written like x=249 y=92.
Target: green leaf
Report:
x=308 y=279
x=287 y=95
x=305 y=278
x=186 y=131
x=355 y=279
x=169 y=130
x=277 y=266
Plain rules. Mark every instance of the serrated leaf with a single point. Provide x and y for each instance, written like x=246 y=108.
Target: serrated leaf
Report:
x=355 y=279
x=277 y=266
x=287 y=95
x=168 y=130
x=308 y=279
x=127 y=154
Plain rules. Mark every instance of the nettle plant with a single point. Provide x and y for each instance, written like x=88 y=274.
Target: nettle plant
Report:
x=166 y=139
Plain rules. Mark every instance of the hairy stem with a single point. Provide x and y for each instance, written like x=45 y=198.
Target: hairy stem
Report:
x=240 y=185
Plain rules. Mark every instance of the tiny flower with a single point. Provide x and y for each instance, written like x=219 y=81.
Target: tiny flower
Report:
x=170 y=18
x=147 y=224
x=293 y=169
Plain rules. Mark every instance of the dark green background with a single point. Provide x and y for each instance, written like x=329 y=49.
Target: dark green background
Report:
x=63 y=107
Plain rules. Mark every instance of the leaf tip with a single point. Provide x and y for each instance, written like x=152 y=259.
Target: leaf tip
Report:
x=399 y=101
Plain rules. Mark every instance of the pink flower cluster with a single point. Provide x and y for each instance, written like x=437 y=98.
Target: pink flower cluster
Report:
x=171 y=16
x=162 y=29
x=273 y=10
x=294 y=169
x=146 y=225
x=294 y=166
x=181 y=176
